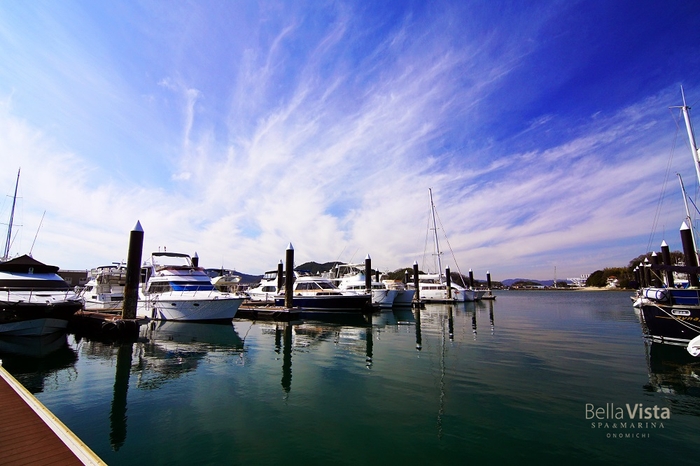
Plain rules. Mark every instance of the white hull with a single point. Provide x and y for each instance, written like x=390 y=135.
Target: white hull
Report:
x=404 y=297
x=261 y=297
x=103 y=306
x=384 y=298
x=188 y=307
x=34 y=327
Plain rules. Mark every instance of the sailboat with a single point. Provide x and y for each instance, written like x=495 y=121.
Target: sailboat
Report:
x=34 y=299
x=670 y=314
x=438 y=287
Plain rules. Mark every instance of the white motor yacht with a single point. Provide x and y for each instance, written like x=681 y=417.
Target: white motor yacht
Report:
x=172 y=288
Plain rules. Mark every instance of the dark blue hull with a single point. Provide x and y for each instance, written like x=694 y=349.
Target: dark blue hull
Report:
x=330 y=303
x=675 y=318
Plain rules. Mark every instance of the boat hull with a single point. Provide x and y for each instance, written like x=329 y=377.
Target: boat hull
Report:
x=36 y=319
x=181 y=307
x=404 y=297
x=671 y=323
x=329 y=303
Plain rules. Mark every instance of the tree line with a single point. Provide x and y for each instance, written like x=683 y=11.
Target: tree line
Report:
x=625 y=275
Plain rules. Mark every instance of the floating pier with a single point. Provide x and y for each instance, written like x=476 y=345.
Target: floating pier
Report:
x=31 y=434
x=252 y=310
x=103 y=326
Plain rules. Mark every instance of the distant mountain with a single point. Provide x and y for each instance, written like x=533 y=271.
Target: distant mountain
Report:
x=315 y=268
x=510 y=281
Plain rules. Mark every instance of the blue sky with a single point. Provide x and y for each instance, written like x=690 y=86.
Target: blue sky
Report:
x=233 y=128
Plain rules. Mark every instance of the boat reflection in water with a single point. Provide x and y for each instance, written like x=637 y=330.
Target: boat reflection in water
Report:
x=166 y=350
x=31 y=359
x=171 y=349
x=676 y=374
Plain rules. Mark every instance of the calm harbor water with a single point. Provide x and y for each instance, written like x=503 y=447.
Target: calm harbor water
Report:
x=511 y=381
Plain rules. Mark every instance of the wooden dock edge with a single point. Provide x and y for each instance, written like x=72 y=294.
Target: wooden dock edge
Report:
x=74 y=444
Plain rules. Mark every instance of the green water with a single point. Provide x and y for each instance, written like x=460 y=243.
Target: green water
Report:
x=504 y=382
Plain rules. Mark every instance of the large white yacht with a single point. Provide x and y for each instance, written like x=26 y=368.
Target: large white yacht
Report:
x=34 y=299
x=172 y=288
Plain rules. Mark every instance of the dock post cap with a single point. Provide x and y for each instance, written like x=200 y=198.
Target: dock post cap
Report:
x=290 y=247
x=138 y=226
x=664 y=244
x=366 y=258
x=684 y=226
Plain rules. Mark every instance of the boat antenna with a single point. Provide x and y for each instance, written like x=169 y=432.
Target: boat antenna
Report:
x=37 y=233
x=6 y=253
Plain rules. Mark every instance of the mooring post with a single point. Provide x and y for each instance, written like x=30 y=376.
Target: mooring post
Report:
x=448 y=282
x=195 y=260
x=655 y=281
x=133 y=272
x=289 y=278
x=280 y=274
x=368 y=274
x=471 y=279
x=488 y=280
x=647 y=272
x=642 y=278
x=416 y=296
x=405 y=276
x=666 y=260
x=691 y=258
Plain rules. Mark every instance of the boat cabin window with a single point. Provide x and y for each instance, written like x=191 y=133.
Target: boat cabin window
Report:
x=189 y=286
x=269 y=289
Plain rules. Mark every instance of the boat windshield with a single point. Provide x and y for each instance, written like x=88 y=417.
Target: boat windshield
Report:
x=165 y=287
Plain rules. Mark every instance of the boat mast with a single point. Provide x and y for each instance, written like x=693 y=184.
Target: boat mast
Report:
x=691 y=136
x=6 y=253
x=437 y=243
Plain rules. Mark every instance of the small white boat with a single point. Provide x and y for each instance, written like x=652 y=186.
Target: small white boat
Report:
x=350 y=278
x=104 y=291
x=224 y=280
x=433 y=288
x=266 y=290
x=173 y=289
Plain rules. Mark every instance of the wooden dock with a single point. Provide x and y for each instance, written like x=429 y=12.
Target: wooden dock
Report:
x=31 y=434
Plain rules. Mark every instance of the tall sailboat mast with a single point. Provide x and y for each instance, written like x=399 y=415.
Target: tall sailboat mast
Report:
x=437 y=243
x=691 y=136
x=6 y=253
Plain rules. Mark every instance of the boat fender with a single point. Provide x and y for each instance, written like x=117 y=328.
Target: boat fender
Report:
x=657 y=294
x=694 y=346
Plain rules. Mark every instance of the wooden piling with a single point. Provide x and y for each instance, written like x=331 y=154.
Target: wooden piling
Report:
x=691 y=258
x=448 y=282
x=666 y=260
x=416 y=296
x=289 y=278
x=655 y=280
x=368 y=274
x=133 y=272
x=280 y=275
